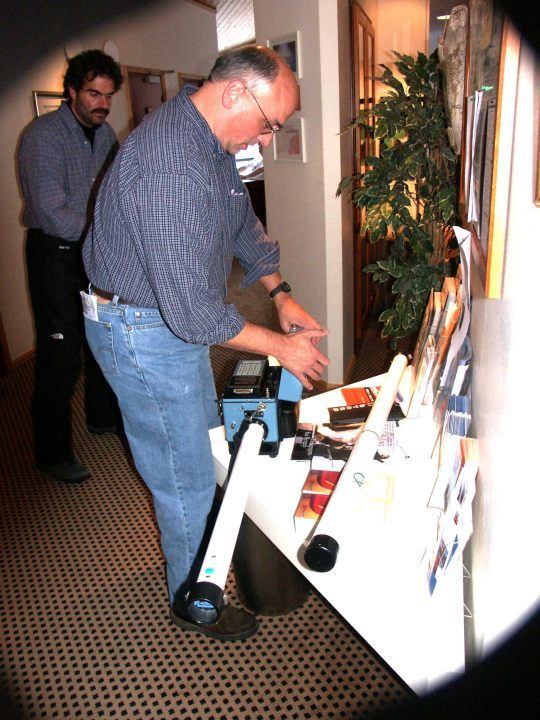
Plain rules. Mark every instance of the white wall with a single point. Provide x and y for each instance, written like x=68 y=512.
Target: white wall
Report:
x=506 y=387
x=174 y=35
x=302 y=211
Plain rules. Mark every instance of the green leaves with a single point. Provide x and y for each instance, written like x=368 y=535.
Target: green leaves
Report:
x=345 y=183
x=412 y=282
x=409 y=188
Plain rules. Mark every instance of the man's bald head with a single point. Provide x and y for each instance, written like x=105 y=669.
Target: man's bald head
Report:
x=250 y=93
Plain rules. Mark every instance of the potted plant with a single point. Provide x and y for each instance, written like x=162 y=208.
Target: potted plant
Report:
x=408 y=192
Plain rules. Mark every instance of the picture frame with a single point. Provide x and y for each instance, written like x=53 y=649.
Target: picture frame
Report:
x=46 y=101
x=289 y=143
x=190 y=80
x=490 y=88
x=288 y=46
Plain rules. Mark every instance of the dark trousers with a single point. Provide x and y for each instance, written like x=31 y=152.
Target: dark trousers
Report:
x=55 y=278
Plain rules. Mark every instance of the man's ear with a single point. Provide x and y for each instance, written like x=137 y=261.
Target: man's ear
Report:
x=232 y=92
x=72 y=92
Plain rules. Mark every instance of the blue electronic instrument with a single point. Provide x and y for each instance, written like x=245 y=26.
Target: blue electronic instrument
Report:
x=268 y=393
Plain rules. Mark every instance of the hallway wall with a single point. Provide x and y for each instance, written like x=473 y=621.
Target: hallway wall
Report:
x=302 y=211
x=506 y=386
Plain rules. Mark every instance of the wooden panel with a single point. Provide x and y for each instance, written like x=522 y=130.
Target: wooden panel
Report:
x=363 y=56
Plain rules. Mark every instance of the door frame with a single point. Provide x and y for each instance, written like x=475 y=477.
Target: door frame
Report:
x=127 y=69
x=362 y=39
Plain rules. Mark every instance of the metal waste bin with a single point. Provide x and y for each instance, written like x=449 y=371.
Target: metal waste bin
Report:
x=266 y=582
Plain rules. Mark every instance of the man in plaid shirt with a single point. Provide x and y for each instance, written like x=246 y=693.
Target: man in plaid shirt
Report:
x=62 y=157
x=170 y=216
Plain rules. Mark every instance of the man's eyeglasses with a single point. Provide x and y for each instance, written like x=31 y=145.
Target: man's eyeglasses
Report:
x=270 y=129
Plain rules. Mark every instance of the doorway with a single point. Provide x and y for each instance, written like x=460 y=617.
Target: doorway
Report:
x=146 y=91
x=363 y=68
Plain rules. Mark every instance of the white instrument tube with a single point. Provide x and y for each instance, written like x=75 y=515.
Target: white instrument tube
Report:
x=206 y=598
x=321 y=553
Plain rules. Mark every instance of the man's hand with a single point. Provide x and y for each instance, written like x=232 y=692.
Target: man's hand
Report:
x=298 y=353
x=295 y=351
x=293 y=316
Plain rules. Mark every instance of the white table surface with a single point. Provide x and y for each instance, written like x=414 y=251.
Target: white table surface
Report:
x=378 y=583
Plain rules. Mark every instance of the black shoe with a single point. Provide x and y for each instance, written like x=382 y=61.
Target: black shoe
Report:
x=69 y=471
x=233 y=624
x=102 y=429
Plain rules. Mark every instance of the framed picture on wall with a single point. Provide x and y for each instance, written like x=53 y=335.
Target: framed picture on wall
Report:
x=289 y=143
x=288 y=46
x=45 y=101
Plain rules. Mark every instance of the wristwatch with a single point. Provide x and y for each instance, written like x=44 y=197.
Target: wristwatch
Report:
x=282 y=287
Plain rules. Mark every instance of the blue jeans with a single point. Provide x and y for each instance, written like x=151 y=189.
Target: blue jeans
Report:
x=166 y=392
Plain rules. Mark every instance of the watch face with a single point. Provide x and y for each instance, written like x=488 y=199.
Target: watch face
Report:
x=285 y=287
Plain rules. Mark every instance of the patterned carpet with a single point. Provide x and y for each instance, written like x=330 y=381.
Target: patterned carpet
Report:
x=84 y=616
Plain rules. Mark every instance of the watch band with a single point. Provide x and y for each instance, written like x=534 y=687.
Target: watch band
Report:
x=282 y=287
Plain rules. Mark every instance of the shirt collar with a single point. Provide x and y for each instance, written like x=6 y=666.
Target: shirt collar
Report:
x=71 y=118
x=189 y=108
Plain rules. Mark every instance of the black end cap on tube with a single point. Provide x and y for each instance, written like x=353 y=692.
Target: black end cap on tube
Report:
x=321 y=553
x=204 y=603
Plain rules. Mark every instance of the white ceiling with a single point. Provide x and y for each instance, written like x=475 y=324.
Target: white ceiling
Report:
x=234 y=21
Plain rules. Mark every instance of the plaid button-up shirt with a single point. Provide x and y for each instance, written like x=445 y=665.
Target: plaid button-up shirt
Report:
x=170 y=216
x=59 y=170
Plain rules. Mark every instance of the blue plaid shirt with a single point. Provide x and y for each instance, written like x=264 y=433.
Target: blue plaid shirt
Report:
x=58 y=169
x=171 y=214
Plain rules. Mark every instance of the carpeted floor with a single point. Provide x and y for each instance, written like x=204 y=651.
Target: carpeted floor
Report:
x=84 y=616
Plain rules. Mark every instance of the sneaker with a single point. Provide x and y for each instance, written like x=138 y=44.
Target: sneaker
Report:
x=233 y=624
x=69 y=471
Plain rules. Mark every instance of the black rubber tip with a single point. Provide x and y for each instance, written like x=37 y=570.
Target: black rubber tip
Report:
x=321 y=553
x=204 y=603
